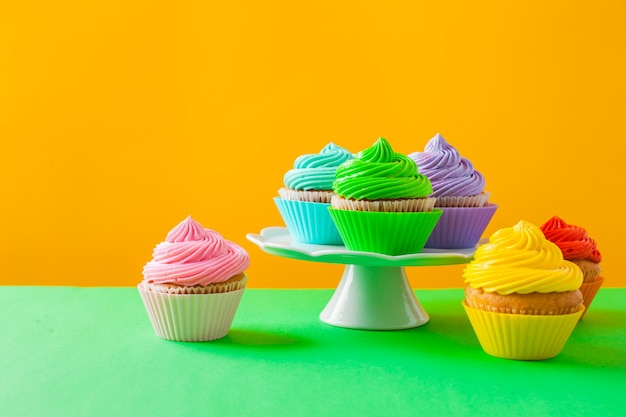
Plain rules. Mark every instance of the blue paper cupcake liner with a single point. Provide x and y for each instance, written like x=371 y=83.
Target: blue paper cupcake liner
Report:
x=308 y=222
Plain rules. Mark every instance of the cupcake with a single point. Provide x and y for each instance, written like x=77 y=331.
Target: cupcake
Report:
x=459 y=190
x=521 y=296
x=580 y=249
x=305 y=198
x=381 y=203
x=192 y=286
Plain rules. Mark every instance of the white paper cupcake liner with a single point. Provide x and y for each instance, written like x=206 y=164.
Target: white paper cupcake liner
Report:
x=191 y=317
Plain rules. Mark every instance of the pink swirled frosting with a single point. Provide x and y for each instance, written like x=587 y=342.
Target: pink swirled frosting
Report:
x=194 y=255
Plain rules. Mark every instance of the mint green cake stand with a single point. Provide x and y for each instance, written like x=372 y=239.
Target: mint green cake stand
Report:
x=374 y=293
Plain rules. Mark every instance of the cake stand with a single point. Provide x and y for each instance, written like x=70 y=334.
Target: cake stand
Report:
x=374 y=293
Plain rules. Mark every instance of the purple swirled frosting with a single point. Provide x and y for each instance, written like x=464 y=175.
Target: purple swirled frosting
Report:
x=449 y=173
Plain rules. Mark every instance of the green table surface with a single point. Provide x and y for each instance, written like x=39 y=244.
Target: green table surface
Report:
x=68 y=351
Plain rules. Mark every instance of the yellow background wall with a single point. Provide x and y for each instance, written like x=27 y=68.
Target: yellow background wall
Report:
x=120 y=118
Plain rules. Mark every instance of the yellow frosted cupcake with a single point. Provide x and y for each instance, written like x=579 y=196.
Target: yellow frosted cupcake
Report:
x=521 y=296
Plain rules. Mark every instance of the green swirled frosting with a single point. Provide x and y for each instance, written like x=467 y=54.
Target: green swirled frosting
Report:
x=379 y=173
x=316 y=171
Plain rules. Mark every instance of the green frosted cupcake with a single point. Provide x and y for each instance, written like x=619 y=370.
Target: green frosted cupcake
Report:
x=381 y=203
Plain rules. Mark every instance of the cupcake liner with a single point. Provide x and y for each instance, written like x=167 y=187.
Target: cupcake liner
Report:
x=386 y=233
x=191 y=317
x=522 y=337
x=400 y=205
x=478 y=200
x=460 y=227
x=589 y=291
x=308 y=222
x=312 y=196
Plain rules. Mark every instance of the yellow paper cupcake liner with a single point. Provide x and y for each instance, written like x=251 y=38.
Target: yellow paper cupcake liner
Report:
x=522 y=337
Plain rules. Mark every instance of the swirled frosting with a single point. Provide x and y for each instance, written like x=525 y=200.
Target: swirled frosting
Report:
x=572 y=240
x=193 y=255
x=379 y=173
x=316 y=171
x=449 y=173
x=521 y=260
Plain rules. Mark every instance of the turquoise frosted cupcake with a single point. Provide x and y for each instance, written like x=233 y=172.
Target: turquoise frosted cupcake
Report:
x=306 y=195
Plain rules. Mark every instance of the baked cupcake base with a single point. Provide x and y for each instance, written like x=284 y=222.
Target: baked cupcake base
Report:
x=478 y=200
x=522 y=337
x=192 y=314
x=591 y=270
x=312 y=196
x=528 y=304
x=403 y=205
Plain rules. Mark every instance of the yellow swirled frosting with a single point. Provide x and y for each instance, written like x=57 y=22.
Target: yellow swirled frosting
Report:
x=521 y=260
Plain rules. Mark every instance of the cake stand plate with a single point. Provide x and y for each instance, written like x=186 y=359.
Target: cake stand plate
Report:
x=373 y=293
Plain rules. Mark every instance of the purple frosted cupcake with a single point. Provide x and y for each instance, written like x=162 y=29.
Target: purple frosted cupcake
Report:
x=460 y=193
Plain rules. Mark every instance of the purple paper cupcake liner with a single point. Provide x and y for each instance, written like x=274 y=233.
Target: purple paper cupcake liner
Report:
x=460 y=227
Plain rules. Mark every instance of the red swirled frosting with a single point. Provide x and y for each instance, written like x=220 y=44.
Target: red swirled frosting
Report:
x=194 y=255
x=572 y=240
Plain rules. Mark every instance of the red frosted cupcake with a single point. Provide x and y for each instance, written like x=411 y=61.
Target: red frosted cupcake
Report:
x=579 y=248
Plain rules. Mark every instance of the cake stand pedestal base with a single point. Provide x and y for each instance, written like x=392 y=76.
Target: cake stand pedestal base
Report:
x=373 y=293
x=374 y=298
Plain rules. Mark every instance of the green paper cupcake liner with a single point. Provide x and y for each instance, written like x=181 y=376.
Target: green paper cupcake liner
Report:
x=388 y=233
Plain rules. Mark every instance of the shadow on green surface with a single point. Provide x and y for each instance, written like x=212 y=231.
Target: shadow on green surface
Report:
x=255 y=338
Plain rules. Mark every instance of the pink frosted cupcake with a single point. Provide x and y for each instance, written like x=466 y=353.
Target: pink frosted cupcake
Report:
x=192 y=286
x=460 y=193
